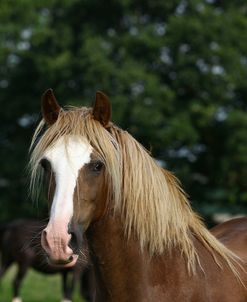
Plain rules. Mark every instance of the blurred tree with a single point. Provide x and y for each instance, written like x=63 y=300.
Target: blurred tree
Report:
x=175 y=72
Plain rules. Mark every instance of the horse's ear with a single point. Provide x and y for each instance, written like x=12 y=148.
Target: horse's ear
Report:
x=102 y=109
x=50 y=107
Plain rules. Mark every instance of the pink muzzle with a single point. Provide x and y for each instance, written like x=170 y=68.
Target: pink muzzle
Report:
x=55 y=241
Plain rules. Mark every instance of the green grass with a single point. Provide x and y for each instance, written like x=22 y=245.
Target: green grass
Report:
x=35 y=288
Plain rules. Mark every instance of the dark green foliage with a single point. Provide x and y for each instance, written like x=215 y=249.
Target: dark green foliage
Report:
x=175 y=72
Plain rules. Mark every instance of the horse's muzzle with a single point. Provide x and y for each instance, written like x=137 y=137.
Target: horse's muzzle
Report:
x=56 y=246
x=64 y=263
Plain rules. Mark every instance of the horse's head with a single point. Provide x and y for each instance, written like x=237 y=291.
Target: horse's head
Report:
x=76 y=173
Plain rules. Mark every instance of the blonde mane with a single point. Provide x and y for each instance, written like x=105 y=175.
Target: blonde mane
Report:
x=149 y=200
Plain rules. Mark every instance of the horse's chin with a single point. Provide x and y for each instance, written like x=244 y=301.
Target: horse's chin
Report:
x=62 y=263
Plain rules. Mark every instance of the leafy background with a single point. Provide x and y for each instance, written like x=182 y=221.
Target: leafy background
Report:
x=175 y=72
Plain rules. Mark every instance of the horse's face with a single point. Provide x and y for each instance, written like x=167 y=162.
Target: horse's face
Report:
x=77 y=192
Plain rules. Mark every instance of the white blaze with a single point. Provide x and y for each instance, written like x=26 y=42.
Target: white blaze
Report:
x=67 y=157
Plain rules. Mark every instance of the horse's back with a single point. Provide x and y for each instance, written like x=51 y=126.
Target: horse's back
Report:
x=20 y=240
x=233 y=234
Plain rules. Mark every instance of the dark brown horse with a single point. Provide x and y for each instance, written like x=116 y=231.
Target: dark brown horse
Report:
x=20 y=244
x=146 y=242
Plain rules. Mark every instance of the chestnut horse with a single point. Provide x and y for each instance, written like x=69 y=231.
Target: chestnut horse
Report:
x=146 y=242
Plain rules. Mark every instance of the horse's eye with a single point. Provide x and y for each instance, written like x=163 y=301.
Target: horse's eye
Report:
x=45 y=164
x=97 y=166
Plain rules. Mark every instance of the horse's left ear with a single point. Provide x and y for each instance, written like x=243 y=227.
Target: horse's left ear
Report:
x=50 y=107
x=102 y=109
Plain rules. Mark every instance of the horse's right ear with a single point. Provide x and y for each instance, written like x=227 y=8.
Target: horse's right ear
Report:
x=102 y=109
x=50 y=107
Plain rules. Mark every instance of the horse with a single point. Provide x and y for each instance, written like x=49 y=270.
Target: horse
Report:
x=20 y=243
x=146 y=242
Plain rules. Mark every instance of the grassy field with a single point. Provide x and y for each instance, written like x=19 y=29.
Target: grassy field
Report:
x=36 y=288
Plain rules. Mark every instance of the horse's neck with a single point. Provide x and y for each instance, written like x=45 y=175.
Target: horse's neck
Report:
x=123 y=272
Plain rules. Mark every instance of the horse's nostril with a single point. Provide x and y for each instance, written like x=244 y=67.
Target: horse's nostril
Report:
x=71 y=258
x=73 y=243
x=44 y=241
